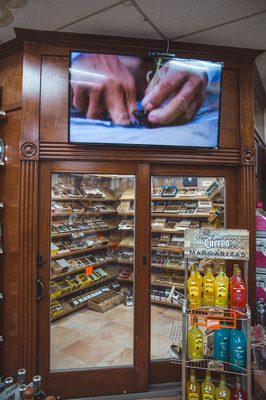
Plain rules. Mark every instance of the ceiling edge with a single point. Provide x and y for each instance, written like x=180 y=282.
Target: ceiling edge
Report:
x=80 y=40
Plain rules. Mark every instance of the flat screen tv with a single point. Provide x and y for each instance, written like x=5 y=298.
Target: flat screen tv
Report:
x=143 y=101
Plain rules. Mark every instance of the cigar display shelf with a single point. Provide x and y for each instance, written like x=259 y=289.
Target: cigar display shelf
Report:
x=85 y=231
x=78 y=270
x=82 y=251
x=89 y=199
x=159 y=266
x=68 y=309
x=155 y=248
x=158 y=284
x=170 y=215
x=85 y=213
x=111 y=275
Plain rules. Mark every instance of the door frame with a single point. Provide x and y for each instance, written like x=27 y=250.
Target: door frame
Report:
x=107 y=380
x=161 y=371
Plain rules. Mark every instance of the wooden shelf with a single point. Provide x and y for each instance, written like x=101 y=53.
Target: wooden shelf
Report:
x=90 y=199
x=168 y=285
x=178 y=215
x=78 y=270
x=70 y=310
x=172 y=268
x=82 y=251
x=65 y=213
x=58 y=235
x=163 y=230
x=166 y=303
x=99 y=281
x=166 y=248
x=161 y=266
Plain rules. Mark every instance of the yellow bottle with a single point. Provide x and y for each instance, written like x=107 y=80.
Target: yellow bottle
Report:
x=207 y=388
x=221 y=289
x=193 y=387
x=208 y=288
x=194 y=287
x=222 y=392
x=195 y=342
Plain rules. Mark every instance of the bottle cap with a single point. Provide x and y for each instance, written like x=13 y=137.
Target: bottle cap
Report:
x=9 y=381
x=36 y=381
x=22 y=389
x=21 y=375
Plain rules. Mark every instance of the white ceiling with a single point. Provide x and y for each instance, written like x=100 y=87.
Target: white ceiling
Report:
x=239 y=23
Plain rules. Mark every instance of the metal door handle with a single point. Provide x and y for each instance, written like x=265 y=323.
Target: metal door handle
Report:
x=40 y=289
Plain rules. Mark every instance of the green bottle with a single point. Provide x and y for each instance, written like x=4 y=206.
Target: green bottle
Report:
x=222 y=392
x=207 y=388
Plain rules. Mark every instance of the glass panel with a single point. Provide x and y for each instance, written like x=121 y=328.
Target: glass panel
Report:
x=177 y=203
x=92 y=253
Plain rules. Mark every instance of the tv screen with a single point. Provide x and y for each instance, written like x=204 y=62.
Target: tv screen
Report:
x=143 y=101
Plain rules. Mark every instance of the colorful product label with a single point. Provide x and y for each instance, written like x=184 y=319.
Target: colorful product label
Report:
x=194 y=291
x=193 y=396
x=198 y=342
x=208 y=397
x=209 y=287
x=222 y=291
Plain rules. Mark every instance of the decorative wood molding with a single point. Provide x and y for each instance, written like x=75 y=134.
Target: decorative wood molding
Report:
x=79 y=40
x=29 y=150
x=31 y=93
x=27 y=341
x=248 y=157
x=10 y=47
x=62 y=151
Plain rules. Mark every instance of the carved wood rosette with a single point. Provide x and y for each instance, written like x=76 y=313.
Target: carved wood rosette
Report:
x=27 y=265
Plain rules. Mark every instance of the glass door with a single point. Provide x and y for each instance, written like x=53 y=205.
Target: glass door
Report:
x=180 y=199
x=89 y=301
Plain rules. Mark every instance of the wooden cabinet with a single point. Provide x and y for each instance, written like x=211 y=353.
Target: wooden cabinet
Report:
x=34 y=78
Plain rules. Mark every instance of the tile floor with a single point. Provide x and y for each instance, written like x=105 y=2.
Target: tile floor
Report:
x=87 y=339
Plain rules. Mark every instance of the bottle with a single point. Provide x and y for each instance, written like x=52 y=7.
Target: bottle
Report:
x=21 y=375
x=193 y=387
x=194 y=287
x=238 y=350
x=9 y=382
x=22 y=389
x=221 y=284
x=2 y=384
x=222 y=392
x=238 y=293
x=221 y=345
x=195 y=342
x=36 y=384
x=233 y=277
x=207 y=388
x=208 y=288
x=238 y=393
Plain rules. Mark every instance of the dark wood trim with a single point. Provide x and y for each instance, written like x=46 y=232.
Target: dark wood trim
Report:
x=142 y=275
x=61 y=151
x=27 y=312
x=78 y=40
x=10 y=47
x=30 y=93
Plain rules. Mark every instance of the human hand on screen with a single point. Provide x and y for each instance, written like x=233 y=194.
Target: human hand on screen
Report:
x=174 y=94
x=102 y=83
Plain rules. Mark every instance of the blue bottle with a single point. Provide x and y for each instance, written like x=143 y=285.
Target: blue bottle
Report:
x=238 y=350
x=221 y=345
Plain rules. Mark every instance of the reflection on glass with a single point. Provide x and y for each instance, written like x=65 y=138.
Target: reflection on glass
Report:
x=177 y=203
x=92 y=259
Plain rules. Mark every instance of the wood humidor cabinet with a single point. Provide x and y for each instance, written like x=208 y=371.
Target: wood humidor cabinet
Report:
x=34 y=81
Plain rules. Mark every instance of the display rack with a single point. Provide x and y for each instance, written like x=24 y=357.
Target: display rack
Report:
x=208 y=363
